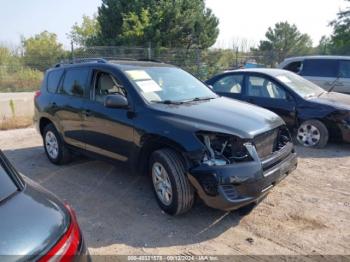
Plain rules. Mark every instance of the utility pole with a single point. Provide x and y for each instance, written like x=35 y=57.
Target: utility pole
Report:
x=72 y=50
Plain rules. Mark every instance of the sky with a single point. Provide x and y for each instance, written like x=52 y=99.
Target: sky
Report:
x=246 y=20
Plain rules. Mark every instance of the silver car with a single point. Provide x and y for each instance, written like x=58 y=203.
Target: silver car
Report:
x=332 y=73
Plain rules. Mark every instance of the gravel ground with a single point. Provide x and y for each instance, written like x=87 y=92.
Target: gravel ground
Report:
x=307 y=213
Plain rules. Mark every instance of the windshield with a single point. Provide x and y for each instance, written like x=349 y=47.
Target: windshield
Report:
x=300 y=85
x=167 y=84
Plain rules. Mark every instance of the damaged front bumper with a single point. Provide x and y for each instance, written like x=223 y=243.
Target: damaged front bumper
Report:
x=233 y=186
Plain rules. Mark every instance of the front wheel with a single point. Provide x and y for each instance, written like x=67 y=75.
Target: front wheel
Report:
x=312 y=133
x=174 y=193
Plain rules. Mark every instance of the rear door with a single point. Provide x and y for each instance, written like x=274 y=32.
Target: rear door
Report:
x=229 y=85
x=344 y=77
x=68 y=104
x=323 y=72
x=263 y=91
x=107 y=131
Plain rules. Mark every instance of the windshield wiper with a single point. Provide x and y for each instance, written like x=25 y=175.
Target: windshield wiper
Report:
x=199 y=99
x=320 y=94
x=167 y=102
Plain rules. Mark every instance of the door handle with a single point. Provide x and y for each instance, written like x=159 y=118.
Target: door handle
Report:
x=87 y=113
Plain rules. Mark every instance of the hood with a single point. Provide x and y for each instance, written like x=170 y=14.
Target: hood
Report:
x=334 y=99
x=222 y=115
x=32 y=221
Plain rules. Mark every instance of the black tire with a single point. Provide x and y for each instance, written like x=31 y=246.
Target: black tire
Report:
x=321 y=128
x=63 y=155
x=182 y=191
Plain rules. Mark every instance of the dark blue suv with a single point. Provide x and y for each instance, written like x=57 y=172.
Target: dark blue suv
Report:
x=164 y=122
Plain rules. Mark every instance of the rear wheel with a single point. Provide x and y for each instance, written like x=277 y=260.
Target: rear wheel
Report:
x=174 y=193
x=55 y=148
x=312 y=133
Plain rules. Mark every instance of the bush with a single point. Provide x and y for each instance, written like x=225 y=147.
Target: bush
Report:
x=21 y=79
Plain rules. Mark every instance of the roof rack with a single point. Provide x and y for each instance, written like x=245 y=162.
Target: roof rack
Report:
x=82 y=60
x=149 y=60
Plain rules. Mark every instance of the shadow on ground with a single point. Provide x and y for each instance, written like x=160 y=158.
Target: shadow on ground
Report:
x=332 y=150
x=115 y=207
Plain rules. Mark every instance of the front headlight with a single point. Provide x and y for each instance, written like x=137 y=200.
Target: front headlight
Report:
x=223 y=149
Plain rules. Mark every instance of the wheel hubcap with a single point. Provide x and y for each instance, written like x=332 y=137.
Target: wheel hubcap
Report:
x=51 y=144
x=161 y=183
x=308 y=135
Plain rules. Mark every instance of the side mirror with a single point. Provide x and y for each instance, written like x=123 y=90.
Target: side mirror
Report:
x=116 y=101
x=211 y=87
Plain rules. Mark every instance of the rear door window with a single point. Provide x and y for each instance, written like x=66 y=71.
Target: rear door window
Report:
x=53 y=80
x=7 y=185
x=344 y=69
x=229 y=84
x=320 y=67
x=74 y=83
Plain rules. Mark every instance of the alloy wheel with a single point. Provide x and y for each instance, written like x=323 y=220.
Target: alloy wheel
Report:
x=162 y=184
x=51 y=144
x=308 y=135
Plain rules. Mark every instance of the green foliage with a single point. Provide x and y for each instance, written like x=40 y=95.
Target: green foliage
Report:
x=282 y=41
x=42 y=51
x=164 y=23
x=12 y=106
x=324 y=46
x=16 y=77
x=340 y=39
x=86 y=33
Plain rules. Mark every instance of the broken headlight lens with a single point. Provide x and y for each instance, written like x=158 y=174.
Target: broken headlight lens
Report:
x=223 y=149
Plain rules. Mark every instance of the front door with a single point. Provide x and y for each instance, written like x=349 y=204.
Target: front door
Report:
x=107 y=131
x=266 y=93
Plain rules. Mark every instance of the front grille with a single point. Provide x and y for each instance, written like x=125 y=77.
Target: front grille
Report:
x=271 y=141
x=265 y=142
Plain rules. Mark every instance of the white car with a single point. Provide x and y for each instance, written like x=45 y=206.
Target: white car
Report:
x=332 y=73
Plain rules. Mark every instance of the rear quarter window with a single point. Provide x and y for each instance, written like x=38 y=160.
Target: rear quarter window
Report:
x=320 y=68
x=53 y=80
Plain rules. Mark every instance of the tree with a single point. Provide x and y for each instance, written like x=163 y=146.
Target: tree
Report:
x=324 y=46
x=282 y=41
x=340 y=39
x=42 y=51
x=176 y=23
x=86 y=33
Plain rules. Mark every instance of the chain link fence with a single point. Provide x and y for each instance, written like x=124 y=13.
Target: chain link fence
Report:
x=22 y=73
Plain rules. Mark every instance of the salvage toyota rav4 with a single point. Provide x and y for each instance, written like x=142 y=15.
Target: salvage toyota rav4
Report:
x=165 y=123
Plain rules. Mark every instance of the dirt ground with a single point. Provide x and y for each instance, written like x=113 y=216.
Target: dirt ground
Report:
x=307 y=213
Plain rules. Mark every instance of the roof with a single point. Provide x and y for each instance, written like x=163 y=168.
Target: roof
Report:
x=318 y=57
x=138 y=63
x=267 y=71
x=118 y=63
